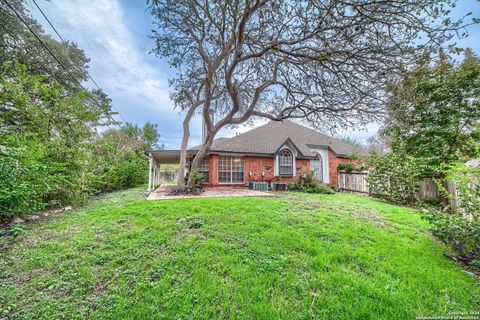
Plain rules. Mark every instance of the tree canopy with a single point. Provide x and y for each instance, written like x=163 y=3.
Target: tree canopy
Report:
x=325 y=62
x=434 y=112
x=19 y=44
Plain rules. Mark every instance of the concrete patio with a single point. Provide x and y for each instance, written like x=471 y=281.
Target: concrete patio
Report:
x=161 y=192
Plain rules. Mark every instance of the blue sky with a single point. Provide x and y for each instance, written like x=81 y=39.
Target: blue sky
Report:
x=114 y=34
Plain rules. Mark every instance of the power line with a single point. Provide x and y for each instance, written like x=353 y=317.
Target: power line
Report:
x=41 y=65
x=48 y=20
x=61 y=38
x=43 y=44
x=53 y=55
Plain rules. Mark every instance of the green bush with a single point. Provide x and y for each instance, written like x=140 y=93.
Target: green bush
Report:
x=460 y=227
x=199 y=181
x=50 y=152
x=130 y=172
x=308 y=184
x=394 y=176
x=22 y=177
x=461 y=234
x=349 y=167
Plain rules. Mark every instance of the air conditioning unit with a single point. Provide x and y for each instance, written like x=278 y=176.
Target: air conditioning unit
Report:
x=258 y=185
x=279 y=186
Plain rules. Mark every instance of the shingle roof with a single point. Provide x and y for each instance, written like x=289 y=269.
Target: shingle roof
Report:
x=267 y=139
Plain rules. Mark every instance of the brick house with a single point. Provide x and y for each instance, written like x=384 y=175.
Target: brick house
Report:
x=279 y=151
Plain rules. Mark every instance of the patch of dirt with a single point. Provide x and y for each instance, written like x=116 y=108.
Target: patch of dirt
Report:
x=373 y=219
x=186 y=233
x=100 y=288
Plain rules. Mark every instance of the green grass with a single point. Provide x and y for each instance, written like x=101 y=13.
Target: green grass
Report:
x=293 y=257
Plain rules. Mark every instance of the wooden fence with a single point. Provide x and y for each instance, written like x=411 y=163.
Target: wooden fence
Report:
x=428 y=190
x=355 y=181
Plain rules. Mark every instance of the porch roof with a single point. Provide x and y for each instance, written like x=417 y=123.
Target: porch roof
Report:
x=167 y=156
x=173 y=156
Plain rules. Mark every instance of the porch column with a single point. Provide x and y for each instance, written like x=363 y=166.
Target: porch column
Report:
x=154 y=175
x=150 y=172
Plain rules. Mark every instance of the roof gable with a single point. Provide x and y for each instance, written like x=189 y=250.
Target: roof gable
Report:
x=290 y=145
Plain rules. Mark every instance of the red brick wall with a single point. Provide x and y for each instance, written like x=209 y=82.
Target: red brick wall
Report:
x=333 y=162
x=213 y=167
x=257 y=165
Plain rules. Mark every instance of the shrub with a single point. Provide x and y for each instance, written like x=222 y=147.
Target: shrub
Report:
x=25 y=177
x=308 y=184
x=197 y=189
x=461 y=234
x=132 y=171
x=394 y=176
x=50 y=152
x=467 y=184
x=349 y=167
x=460 y=230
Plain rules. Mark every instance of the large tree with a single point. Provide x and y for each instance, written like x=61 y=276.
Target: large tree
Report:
x=434 y=112
x=326 y=62
x=18 y=43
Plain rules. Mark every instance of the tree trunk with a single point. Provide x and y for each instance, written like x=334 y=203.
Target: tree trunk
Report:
x=184 y=146
x=202 y=152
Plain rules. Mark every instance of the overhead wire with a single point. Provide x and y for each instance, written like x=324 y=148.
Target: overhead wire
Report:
x=61 y=38
x=40 y=64
x=55 y=57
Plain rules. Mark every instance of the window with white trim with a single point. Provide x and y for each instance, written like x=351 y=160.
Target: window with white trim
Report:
x=285 y=162
x=204 y=168
x=230 y=169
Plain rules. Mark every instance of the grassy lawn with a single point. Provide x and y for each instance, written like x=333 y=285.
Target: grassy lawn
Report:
x=292 y=257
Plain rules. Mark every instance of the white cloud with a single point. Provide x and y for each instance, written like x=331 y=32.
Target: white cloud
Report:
x=119 y=60
x=115 y=38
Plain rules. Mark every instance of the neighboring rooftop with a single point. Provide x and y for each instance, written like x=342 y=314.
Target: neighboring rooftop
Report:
x=268 y=138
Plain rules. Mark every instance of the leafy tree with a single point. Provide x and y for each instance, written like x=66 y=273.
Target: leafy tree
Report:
x=148 y=134
x=394 y=176
x=119 y=156
x=17 y=43
x=50 y=151
x=43 y=140
x=325 y=62
x=434 y=112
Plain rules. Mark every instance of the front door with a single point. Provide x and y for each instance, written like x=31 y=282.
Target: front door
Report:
x=316 y=168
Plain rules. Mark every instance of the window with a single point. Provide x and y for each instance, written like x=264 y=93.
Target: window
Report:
x=285 y=162
x=204 y=168
x=230 y=170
